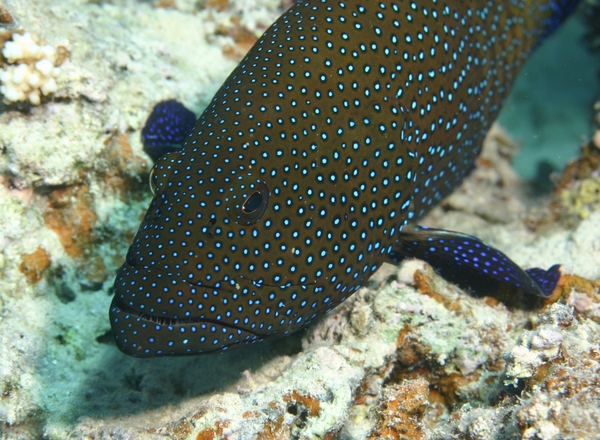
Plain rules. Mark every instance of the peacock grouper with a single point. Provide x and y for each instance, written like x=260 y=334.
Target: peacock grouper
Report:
x=344 y=124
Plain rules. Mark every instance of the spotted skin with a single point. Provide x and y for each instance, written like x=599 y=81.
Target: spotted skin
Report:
x=345 y=121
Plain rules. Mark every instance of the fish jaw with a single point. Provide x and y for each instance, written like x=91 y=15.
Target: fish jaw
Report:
x=160 y=313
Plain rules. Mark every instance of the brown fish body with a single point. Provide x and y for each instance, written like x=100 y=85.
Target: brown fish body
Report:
x=344 y=122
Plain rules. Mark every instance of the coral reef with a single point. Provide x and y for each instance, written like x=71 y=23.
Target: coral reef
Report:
x=30 y=69
x=401 y=410
x=409 y=355
x=584 y=197
x=577 y=191
x=7 y=23
x=238 y=23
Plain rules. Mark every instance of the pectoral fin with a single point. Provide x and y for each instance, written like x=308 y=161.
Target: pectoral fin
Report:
x=166 y=128
x=471 y=264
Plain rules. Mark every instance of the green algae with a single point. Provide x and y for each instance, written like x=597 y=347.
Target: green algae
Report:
x=583 y=198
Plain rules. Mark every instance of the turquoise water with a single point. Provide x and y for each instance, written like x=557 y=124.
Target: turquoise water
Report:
x=549 y=111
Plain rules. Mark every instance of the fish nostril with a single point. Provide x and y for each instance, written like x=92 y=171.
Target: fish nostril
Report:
x=129 y=259
x=209 y=227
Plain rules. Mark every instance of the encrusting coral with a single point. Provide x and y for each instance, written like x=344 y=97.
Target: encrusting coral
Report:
x=29 y=68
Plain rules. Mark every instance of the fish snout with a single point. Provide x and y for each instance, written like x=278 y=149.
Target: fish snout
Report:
x=159 y=313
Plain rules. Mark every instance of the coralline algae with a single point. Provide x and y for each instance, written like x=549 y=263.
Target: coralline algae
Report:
x=410 y=353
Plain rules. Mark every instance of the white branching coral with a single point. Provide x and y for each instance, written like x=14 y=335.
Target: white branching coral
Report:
x=29 y=69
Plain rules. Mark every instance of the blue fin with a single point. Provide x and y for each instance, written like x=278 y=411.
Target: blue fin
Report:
x=471 y=264
x=555 y=12
x=167 y=126
x=546 y=279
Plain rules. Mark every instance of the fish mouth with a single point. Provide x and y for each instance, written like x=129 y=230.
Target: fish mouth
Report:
x=172 y=322
x=155 y=312
x=244 y=287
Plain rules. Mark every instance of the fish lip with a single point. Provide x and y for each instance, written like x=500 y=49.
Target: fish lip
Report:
x=172 y=322
x=165 y=320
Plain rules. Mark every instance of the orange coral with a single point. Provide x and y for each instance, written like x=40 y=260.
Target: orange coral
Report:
x=206 y=434
x=243 y=38
x=70 y=215
x=71 y=211
x=219 y=5
x=275 y=430
x=121 y=168
x=5 y=17
x=401 y=410
x=34 y=264
x=424 y=283
x=307 y=401
x=250 y=414
x=567 y=283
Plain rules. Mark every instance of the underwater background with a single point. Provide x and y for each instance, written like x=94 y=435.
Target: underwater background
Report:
x=407 y=356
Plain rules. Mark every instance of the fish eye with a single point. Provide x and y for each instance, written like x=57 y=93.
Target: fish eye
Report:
x=255 y=205
x=247 y=200
x=252 y=203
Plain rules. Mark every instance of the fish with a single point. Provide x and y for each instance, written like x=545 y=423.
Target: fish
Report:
x=344 y=124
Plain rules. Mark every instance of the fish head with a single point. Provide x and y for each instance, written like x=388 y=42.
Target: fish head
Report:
x=283 y=201
x=224 y=255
